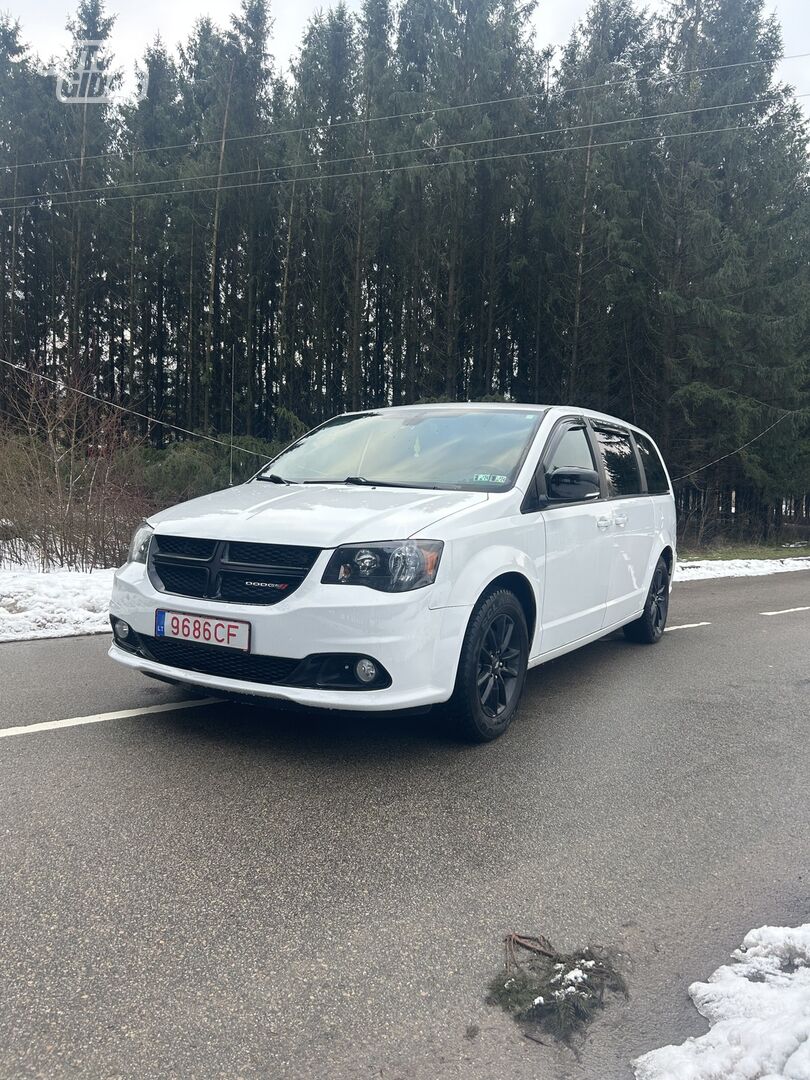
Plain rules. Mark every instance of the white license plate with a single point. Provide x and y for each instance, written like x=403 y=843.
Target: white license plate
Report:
x=228 y=633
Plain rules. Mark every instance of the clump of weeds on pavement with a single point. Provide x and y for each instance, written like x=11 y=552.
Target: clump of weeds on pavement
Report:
x=548 y=991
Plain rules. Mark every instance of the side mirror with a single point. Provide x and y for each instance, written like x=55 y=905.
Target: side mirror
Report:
x=572 y=484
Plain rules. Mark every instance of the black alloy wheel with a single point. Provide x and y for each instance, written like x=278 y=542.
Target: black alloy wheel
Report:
x=648 y=629
x=498 y=671
x=492 y=668
x=659 y=595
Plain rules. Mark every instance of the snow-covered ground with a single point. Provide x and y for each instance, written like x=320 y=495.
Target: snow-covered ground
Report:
x=702 y=569
x=759 y=1009
x=53 y=604
x=59 y=603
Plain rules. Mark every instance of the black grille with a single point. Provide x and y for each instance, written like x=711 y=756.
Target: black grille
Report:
x=214 y=660
x=244 y=573
x=185 y=580
x=189 y=546
x=285 y=555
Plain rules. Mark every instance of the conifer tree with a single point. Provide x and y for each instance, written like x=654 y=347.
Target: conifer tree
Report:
x=425 y=208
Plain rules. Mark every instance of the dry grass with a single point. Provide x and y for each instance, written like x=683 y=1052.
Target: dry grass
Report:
x=67 y=491
x=721 y=550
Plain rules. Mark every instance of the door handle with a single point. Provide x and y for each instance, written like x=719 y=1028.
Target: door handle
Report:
x=603 y=522
x=620 y=520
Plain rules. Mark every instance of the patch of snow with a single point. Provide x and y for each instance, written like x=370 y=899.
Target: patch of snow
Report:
x=58 y=603
x=702 y=569
x=759 y=1009
x=575 y=975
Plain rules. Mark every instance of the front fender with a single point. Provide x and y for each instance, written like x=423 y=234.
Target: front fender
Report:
x=471 y=577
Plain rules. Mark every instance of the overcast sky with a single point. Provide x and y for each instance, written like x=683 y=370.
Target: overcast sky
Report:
x=138 y=21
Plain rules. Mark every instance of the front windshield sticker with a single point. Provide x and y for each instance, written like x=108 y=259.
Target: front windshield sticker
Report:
x=489 y=478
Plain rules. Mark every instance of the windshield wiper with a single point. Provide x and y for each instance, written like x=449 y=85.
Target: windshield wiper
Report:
x=272 y=478
x=361 y=481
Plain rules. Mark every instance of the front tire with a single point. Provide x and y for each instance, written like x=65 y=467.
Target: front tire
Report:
x=492 y=668
x=648 y=629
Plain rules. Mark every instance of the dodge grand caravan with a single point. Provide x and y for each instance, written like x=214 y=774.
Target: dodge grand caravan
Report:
x=404 y=557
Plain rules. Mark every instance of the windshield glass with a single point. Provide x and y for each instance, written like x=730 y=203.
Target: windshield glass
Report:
x=477 y=449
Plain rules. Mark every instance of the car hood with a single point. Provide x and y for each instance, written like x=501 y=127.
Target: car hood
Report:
x=313 y=515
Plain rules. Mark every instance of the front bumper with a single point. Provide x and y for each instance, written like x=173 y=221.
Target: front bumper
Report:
x=418 y=646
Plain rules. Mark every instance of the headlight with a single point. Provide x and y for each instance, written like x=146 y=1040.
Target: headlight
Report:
x=391 y=566
x=140 y=543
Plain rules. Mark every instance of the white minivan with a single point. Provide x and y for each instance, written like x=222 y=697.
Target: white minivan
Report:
x=404 y=557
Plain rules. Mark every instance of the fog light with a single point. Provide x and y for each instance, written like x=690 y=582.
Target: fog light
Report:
x=121 y=629
x=365 y=670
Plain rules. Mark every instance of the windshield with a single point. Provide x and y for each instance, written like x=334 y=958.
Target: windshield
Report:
x=478 y=449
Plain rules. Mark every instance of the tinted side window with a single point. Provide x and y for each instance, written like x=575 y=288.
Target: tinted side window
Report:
x=620 y=462
x=657 y=483
x=572 y=449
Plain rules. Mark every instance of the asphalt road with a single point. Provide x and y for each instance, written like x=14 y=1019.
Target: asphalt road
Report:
x=227 y=892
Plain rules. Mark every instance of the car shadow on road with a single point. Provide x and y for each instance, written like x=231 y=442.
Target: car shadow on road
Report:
x=554 y=691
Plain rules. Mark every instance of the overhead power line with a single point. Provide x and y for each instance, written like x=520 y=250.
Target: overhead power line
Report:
x=17 y=200
x=133 y=412
x=629 y=141
x=425 y=110
x=731 y=453
x=232 y=446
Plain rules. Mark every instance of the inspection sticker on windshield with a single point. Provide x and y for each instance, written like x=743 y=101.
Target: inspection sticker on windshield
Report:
x=489 y=478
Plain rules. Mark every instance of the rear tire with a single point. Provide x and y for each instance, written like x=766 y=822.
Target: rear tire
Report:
x=648 y=629
x=492 y=668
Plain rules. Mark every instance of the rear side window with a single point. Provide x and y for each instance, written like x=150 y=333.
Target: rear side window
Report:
x=619 y=460
x=657 y=483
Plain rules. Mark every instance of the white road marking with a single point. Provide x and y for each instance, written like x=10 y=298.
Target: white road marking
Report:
x=122 y=714
x=686 y=626
x=786 y=611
